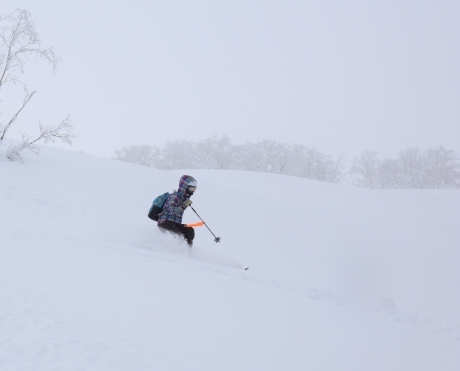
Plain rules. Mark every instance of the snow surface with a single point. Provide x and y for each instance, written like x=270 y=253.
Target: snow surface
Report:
x=339 y=278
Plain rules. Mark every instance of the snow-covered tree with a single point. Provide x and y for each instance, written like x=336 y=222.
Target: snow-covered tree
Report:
x=219 y=153
x=441 y=168
x=433 y=168
x=338 y=174
x=365 y=169
x=215 y=153
x=389 y=174
x=145 y=155
x=49 y=134
x=19 y=41
x=180 y=154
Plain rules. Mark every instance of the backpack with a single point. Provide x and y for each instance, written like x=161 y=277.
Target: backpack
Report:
x=157 y=206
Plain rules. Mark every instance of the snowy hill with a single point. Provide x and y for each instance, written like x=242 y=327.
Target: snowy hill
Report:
x=339 y=278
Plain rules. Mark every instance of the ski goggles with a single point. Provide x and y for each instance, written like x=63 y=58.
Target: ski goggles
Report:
x=192 y=188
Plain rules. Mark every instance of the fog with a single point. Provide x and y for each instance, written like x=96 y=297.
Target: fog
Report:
x=337 y=76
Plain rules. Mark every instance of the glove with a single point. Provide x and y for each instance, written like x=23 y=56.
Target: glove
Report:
x=186 y=204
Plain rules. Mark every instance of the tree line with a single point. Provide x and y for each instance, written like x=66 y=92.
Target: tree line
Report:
x=219 y=153
x=433 y=168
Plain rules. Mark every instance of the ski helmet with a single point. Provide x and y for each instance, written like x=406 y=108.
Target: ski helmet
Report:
x=191 y=186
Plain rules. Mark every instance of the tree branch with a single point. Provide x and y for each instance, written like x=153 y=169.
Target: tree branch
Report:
x=13 y=119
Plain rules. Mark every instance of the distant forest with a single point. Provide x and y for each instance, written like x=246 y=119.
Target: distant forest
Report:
x=434 y=168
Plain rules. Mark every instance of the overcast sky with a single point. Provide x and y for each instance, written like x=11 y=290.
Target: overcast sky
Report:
x=339 y=76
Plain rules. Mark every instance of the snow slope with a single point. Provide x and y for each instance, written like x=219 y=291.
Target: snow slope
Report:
x=339 y=278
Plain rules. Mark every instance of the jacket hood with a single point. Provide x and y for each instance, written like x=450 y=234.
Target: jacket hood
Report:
x=184 y=181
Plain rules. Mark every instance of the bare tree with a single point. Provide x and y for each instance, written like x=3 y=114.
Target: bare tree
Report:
x=19 y=41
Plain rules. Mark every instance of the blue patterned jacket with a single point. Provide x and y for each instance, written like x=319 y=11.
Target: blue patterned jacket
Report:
x=172 y=209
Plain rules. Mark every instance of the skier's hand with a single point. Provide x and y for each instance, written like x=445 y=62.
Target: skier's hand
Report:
x=186 y=204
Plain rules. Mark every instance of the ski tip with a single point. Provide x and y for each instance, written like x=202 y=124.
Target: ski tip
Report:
x=246 y=268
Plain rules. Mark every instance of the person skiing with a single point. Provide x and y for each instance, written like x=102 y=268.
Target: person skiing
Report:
x=170 y=219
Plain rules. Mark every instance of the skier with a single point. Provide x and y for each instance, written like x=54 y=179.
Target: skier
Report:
x=170 y=219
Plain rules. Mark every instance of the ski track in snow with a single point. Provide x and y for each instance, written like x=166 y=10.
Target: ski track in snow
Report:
x=32 y=335
x=445 y=329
